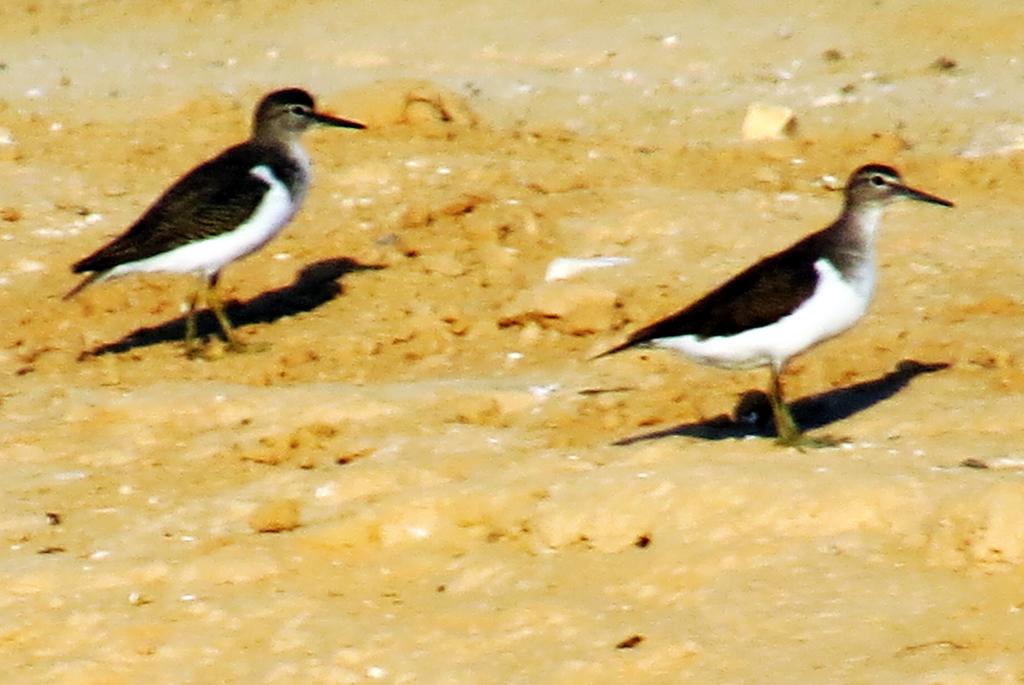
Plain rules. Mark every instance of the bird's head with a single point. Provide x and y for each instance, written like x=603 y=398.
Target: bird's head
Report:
x=287 y=113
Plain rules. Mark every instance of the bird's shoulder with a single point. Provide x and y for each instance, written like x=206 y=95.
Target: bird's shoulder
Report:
x=217 y=194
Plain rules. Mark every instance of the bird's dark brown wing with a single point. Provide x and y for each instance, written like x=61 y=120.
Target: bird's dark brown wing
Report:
x=213 y=198
x=758 y=296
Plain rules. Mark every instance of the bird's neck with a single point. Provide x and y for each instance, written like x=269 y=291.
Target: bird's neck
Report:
x=273 y=136
x=861 y=223
x=293 y=148
x=287 y=143
x=853 y=245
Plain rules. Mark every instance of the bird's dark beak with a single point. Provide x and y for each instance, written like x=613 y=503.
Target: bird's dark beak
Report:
x=921 y=196
x=328 y=120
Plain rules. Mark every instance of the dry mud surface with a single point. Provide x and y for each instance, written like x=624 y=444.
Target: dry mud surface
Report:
x=417 y=480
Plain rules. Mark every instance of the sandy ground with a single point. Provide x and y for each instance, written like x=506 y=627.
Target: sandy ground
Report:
x=424 y=431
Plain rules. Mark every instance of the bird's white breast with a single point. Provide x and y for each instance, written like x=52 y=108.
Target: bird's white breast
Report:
x=834 y=306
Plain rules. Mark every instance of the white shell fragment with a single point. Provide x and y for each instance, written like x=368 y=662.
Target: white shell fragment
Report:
x=567 y=267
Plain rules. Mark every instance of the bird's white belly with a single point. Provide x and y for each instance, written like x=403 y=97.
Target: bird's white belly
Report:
x=835 y=305
x=210 y=255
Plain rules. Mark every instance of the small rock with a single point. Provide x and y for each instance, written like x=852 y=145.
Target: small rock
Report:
x=830 y=182
x=832 y=55
x=630 y=642
x=275 y=516
x=768 y=122
x=1012 y=463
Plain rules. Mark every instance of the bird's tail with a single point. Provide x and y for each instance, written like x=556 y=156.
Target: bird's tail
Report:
x=618 y=348
x=83 y=284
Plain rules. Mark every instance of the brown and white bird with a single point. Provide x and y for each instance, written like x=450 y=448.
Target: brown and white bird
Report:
x=222 y=210
x=789 y=302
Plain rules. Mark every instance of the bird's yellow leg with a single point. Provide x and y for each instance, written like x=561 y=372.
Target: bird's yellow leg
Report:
x=788 y=432
x=191 y=329
x=213 y=301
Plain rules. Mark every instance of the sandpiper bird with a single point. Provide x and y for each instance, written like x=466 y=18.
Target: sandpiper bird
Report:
x=222 y=210
x=792 y=300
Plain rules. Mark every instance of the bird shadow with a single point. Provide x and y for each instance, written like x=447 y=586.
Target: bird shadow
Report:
x=317 y=284
x=752 y=416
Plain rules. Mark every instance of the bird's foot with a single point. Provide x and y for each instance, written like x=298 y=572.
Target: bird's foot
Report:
x=236 y=346
x=215 y=349
x=802 y=441
x=194 y=349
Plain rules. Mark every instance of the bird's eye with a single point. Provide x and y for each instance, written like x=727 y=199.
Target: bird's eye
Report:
x=297 y=109
x=877 y=180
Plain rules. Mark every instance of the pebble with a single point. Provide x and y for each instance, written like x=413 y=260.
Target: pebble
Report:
x=768 y=122
x=275 y=516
